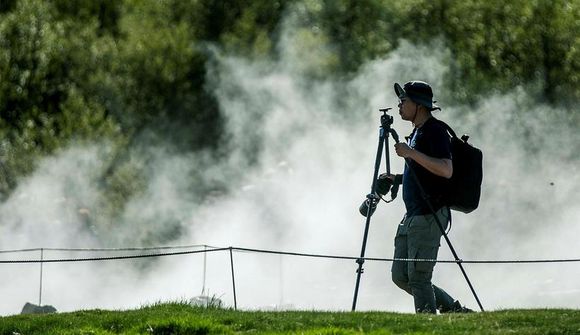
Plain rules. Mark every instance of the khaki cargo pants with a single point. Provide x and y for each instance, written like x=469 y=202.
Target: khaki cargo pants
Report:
x=418 y=237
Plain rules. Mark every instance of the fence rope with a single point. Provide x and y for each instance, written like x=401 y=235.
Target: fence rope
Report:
x=92 y=259
x=409 y=259
x=248 y=250
x=109 y=249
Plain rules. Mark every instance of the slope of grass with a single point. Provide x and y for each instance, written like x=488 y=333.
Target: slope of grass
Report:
x=175 y=318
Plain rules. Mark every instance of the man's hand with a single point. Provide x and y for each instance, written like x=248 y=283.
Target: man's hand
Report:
x=395 y=178
x=403 y=150
x=385 y=175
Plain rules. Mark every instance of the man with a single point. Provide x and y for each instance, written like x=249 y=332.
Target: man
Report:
x=428 y=156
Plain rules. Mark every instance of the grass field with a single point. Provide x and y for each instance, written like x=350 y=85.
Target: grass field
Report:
x=176 y=318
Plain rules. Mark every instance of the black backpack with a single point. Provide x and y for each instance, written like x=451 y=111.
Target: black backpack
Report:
x=464 y=187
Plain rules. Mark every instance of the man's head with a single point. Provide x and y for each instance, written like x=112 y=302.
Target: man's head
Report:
x=419 y=92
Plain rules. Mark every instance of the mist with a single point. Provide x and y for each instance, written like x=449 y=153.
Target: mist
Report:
x=300 y=161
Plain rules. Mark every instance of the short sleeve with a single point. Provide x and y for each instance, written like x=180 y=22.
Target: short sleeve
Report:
x=439 y=142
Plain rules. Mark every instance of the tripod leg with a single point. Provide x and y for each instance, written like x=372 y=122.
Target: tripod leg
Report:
x=382 y=140
x=458 y=261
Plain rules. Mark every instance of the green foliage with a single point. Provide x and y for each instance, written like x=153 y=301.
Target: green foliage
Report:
x=242 y=27
x=105 y=12
x=42 y=88
x=184 y=319
x=359 y=30
x=501 y=45
x=161 y=73
x=135 y=73
x=496 y=44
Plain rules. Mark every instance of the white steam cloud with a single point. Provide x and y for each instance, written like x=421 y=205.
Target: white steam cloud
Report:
x=302 y=155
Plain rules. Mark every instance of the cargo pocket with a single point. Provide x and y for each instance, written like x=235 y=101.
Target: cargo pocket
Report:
x=425 y=252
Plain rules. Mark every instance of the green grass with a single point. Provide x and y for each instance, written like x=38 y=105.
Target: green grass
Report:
x=176 y=318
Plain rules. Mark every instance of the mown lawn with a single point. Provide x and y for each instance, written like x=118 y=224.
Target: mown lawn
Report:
x=175 y=318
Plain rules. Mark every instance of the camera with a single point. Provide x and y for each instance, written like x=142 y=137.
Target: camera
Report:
x=383 y=185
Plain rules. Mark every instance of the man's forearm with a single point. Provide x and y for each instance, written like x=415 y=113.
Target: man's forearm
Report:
x=439 y=166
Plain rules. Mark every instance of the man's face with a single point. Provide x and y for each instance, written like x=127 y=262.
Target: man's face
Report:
x=407 y=109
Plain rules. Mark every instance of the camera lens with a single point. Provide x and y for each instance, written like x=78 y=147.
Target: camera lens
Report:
x=364 y=207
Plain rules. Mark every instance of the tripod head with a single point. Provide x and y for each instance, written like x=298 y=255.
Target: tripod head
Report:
x=386 y=119
x=387 y=122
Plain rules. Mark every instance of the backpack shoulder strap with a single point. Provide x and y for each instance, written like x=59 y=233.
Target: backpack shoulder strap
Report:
x=446 y=126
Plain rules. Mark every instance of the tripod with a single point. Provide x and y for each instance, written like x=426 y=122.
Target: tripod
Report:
x=373 y=198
